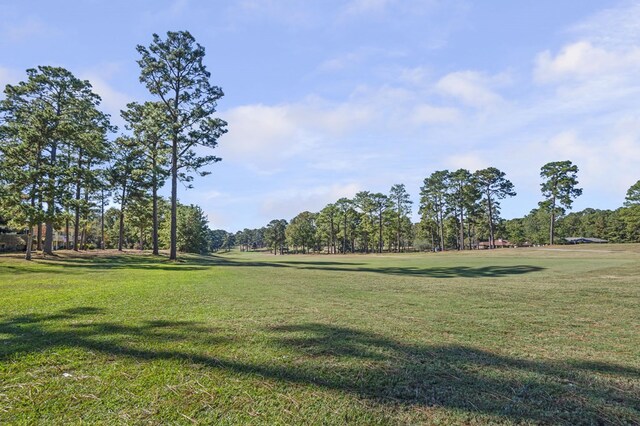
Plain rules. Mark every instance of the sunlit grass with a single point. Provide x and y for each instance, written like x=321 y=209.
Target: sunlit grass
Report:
x=506 y=336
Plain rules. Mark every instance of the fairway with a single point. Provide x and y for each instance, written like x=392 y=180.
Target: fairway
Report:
x=501 y=336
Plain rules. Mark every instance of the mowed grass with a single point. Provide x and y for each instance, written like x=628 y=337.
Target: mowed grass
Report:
x=504 y=336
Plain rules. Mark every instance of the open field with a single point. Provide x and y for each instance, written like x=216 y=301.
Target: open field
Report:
x=505 y=336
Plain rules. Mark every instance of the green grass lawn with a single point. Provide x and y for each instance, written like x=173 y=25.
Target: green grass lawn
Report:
x=504 y=336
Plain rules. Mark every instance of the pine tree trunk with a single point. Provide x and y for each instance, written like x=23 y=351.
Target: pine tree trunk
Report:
x=344 y=239
x=441 y=231
x=173 y=255
x=85 y=218
x=380 y=243
x=491 y=236
x=48 y=234
x=156 y=250
x=553 y=219
x=102 y=245
x=121 y=231
x=76 y=226
x=461 y=246
x=27 y=255
x=39 y=237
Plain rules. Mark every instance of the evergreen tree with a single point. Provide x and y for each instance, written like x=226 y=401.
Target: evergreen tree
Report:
x=173 y=70
x=559 y=187
x=433 y=201
x=494 y=186
x=147 y=121
x=401 y=207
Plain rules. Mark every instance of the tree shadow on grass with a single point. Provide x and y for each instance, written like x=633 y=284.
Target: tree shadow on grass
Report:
x=370 y=366
x=491 y=271
x=201 y=263
x=444 y=271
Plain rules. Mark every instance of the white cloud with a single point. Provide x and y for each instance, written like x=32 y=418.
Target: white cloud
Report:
x=355 y=8
x=178 y=7
x=292 y=13
x=416 y=76
x=264 y=136
x=358 y=57
x=8 y=76
x=289 y=202
x=31 y=27
x=428 y=114
x=341 y=62
x=615 y=27
x=218 y=220
x=470 y=87
x=607 y=164
x=259 y=132
x=607 y=160
x=582 y=60
x=469 y=160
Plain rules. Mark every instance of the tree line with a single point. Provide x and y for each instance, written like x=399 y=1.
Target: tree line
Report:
x=60 y=167
x=458 y=209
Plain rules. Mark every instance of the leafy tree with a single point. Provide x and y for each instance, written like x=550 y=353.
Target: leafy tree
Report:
x=345 y=209
x=366 y=228
x=380 y=204
x=275 y=235
x=139 y=214
x=228 y=242
x=113 y=232
x=494 y=186
x=463 y=199
x=217 y=239
x=150 y=129
x=126 y=176
x=173 y=70
x=90 y=150
x=433 y=200
x=633 y=195
x=4 y=223
x=327 y=224
x=244 y=239
x=535 y=226
x=301 y=230
x=629 y=217
x=58 y=112
x=559 y=187
x=193 y=233
x=401 y=206
x=20 y=158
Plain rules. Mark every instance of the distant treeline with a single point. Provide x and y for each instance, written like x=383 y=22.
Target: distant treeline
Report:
x=458 y=210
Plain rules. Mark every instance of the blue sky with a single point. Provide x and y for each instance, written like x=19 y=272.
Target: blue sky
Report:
x=326 y=98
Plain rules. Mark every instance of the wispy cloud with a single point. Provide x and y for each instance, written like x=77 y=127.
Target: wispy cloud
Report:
x=472 y=88
x=615 y=27
x=23 y=30
x=8 y=76
x=288 y=202
x=583 y=60
x=358 y=8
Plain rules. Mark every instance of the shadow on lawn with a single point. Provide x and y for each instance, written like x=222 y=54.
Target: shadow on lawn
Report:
x=368 y=365
x=432 y=272
x=197 y=263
